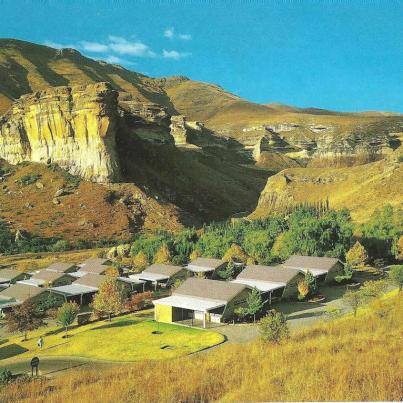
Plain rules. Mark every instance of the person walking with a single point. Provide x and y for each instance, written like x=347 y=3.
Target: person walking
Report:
x=40 y=342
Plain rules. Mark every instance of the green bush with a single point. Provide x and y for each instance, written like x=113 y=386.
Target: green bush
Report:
x=5 y=376
x=273 y=327
x=29 y=179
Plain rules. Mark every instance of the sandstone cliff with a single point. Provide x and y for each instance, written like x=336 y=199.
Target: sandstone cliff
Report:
x=74 y=127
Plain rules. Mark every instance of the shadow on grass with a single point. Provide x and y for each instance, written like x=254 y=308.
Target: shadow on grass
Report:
x=122 y=323
x=11 y=350
x=306 y=315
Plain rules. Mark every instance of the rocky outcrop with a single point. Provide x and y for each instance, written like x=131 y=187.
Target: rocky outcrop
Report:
x=74 y=127
x=182 y=130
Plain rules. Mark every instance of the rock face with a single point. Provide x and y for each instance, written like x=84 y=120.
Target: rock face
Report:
x=182 y=130
x=74 y=127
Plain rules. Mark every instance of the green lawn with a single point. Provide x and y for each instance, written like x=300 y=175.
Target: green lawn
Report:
x=126 y=338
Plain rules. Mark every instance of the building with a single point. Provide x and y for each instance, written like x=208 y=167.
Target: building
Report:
x=62 y=267
x=10 y=276
x=95 y=260
x=47 y=278
x=271 y=281
x=82 y=290
x=17 y=294
x=93 y=266
x=158 y=274
x=206 y=266
x=322 y=268
x=201 y=300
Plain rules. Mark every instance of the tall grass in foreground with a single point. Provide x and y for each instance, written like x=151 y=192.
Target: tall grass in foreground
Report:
x=347 y=359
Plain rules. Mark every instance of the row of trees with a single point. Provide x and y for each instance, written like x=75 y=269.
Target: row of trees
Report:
x=305 y=231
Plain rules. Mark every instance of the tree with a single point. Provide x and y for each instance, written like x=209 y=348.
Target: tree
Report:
x=398 y=248
x=273 y=327
x=24 y=318
x=194 y=255
x=303 y=289
x=396 y=275
x=229 y=271
x=138 y=301
x=110 y=298
x=254 y=304
x=140 y=261
x=354 y=299
x=112 y=271
x=235 y=253
x=373 y=289
x=66 y=315
x=163 y=254
x=357 y=256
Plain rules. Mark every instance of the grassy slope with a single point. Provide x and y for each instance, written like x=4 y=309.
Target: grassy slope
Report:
x=361 y=189
x=126 y=338
x=85 y=213
x=350 y=359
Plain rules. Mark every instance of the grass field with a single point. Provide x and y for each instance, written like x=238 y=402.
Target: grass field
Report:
x=126 y=338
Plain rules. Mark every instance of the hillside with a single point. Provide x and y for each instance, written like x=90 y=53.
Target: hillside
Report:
x=46 y=201
x=335 y=361
x=361 y=188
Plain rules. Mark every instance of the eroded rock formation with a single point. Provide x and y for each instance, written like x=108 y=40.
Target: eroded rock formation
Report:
x=74 y=127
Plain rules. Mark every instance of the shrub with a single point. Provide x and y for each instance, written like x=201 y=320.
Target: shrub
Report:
x=5 y=376
x=357 y=256
x=273 y=327
x=29 y=179
x=396 y=275
x=163 y=254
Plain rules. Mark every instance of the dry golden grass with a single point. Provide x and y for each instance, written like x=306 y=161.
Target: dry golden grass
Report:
x=348 y=359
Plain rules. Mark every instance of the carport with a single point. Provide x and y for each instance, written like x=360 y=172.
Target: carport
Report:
x=178 y=308
x=74 y=290
x=153 y=278
x=262 y=286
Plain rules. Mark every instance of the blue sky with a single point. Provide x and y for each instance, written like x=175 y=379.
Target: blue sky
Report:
x=343 y=55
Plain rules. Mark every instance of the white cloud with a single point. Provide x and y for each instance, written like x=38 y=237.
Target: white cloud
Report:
x=124 y=47
x=117 y=60
x=185 y=37
x=170 y=34
x=94 y=47
x=57 y=45
x=174 y=54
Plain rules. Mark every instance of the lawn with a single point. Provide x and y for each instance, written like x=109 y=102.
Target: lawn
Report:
x=126 y=338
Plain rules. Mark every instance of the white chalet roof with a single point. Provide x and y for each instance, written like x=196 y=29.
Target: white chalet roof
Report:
x=32 y=281
x=146 y=276
x=74 y=289
x=262 y=286
x=192 y=303
x=131 y=280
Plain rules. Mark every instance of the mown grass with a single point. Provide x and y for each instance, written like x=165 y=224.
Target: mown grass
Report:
x=125 y=338
x=349 y=359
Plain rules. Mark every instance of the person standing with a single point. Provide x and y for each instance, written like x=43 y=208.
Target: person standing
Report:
x=40 y=342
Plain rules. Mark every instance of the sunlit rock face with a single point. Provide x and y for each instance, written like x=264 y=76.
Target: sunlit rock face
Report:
x=74 y=127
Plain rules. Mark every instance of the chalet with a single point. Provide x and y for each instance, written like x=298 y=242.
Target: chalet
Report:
x=158 y=274
x=93 y=266
x=206 y=266
x=47 y=278
x=271 y=281
x=62 y=267
x=10 y=276
x=322 y=268
x=82 y=290
x=96 y=261
x=17 y=294
x=201 y=300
